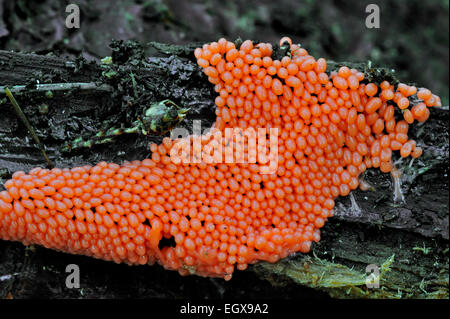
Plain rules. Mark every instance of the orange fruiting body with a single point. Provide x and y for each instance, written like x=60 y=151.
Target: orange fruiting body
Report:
x=225 y=215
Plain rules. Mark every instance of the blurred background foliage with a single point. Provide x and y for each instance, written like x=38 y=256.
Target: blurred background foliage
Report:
x=413 y=38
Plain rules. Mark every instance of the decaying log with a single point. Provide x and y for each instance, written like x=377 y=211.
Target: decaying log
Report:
x=407 y=242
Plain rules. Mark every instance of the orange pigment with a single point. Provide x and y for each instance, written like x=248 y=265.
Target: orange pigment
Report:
x=222 y=216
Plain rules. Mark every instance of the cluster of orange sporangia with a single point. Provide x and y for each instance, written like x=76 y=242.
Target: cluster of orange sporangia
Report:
x=226 y=215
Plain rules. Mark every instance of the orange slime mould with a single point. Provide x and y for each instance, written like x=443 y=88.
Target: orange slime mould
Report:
x=222 y=215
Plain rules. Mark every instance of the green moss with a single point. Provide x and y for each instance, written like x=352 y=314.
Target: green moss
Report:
x=340 y=281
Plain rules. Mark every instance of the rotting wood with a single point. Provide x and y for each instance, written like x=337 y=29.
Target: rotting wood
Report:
x=410 y=238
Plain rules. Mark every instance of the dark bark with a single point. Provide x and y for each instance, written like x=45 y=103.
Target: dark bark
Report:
x=414 y=233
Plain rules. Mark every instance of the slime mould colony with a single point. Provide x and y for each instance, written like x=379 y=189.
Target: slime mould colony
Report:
x=221 y=216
